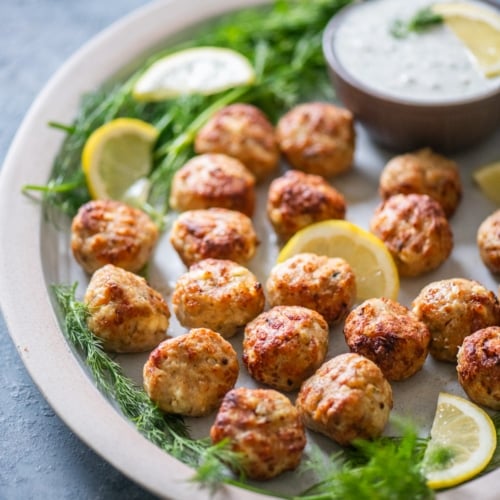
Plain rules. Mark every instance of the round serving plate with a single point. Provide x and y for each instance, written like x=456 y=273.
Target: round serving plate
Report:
x=34 y=254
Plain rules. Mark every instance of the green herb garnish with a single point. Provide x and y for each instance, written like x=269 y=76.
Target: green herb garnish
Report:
x=422 y=20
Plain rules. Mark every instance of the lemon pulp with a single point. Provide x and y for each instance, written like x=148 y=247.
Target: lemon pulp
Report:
x=199 y=70
x=116 y=156
x=463 y=440
x=488 y=179
x=479 y=30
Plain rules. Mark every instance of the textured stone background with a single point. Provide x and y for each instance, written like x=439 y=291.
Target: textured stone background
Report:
x=39 y=456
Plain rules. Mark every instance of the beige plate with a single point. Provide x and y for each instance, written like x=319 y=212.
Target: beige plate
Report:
x=34 y=255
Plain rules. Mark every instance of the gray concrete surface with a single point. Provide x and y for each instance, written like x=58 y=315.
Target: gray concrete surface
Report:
x=39 y=456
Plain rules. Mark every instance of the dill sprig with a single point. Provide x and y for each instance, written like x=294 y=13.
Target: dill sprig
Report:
x=282 y=40
x=169 y=432
x=381 y=469
x=422 y=20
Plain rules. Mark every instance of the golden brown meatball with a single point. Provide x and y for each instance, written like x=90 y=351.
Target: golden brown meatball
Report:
x=390 y=335
x=124 y=311
x=216 y=233
x=213 y=180
x=325 y=284
x=488 y=241
x=217 y=294
x=111 y=232
x=347 y=398
x=416 y=232
x=318 y=138
x=284 y=346
x=423 y=172
x=244 y=132
x=453 y=309
x=478 y=366
x=190 y=374
x=297 y=199
x=265 y=427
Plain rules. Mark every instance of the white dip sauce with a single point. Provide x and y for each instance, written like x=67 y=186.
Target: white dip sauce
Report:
x=432 y=65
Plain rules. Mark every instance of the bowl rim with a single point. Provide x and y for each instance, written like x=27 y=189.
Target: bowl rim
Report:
x=339 y=69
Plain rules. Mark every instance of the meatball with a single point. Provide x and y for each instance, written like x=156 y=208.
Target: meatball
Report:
x=390 y=335
x=213 y=180
x=416 y=232
x=478 y=366
x=347 y=398
x=265 y=427
x=124 y=311
x=325 y=284
x=284 y=346
x=216 y=233
x=488 y=242
x=244 y=132
x=217 y=294
x=423 y=172
x=297 y=199
x=453 y=309
x=317 y=138
x=111 y=232
x=190 y=374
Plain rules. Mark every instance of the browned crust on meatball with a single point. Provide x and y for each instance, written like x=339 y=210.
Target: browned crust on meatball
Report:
x=217 y=294
x=478 y=366
x=216 y=233
x=264 y=427
x=416 y=232
x=124 y=311
x=390 y=335
x=423 y=172
x=325 y=284
x=488 y=241
x=213 y=180
x=284 y=346
x=347 y=398
x=297 y=199
x=190 y=374
x=111 y=232
x=452 y=309
x=318 y=138
x=244 y=132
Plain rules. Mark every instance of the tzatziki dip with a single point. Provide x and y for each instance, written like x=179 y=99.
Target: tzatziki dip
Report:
x=428 y=66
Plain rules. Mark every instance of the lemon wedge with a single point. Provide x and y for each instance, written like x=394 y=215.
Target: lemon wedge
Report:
x=463 y=440
x=374 y=268
x=488 y=179
x=199 y=70
x=116 y=156
x=479 y=30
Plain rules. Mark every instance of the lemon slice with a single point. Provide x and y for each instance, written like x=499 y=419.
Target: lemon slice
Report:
x=200 y=70
x=479 y=30
x=488 y=180
x=116 y=156
x=372 y=264
x=463 y=440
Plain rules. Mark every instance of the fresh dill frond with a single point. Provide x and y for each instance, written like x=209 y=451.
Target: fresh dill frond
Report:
x=381 y=469
x=422 y=20
x=169 y=432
